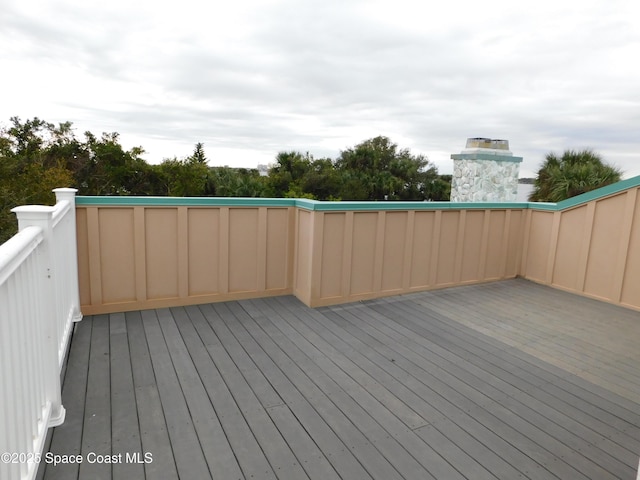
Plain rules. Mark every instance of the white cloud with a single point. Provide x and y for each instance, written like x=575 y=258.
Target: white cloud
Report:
x=251 y=78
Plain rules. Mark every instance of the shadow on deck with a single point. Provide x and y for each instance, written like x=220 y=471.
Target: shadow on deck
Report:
x=503 y=380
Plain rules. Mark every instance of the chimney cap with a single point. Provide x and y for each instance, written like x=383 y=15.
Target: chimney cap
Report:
x=483 y=142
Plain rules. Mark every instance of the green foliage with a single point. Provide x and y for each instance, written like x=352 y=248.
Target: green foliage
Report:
x=288 y=172
x=31 y=185
x=198 y=155
x=183 y=178
x=297 y=175
x=232 y=182
x=28 y=138
x=439 y=189
x=37 y=156
x=377 y=170
x=103 y=167
x=574 y=173
x=28 y=172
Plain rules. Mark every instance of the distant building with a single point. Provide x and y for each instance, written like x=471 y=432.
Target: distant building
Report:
x=263 y=169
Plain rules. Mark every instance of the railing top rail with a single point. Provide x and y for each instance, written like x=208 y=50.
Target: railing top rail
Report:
x=15 y=250
x=61 y=208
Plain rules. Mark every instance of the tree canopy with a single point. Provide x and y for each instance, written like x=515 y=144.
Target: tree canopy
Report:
x=573 y=173
x=37 y=156
x=377 y=169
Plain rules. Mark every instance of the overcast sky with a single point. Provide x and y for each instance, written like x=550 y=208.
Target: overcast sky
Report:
x=252 y=78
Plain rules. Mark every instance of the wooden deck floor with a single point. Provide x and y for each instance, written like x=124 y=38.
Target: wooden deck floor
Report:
x=505 y=380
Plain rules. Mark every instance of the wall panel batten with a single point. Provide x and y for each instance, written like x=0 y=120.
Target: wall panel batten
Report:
x=393 y=251
x=553 y=247
x=140 y=257
x=317 y=219
x=524 y=256
x=347 y=248
x=408 y=250
x=623 y=248
x=435 y=248
x=570 y=239
x=459 y=250
x=291 y=240
x=277 y=248
x=183 y=252
x=223 y=241
x=243 y=249
x=95 y=262
x=604 y=247
x=378 y=257
x=631 y=283
x=261 y=267
x=161 y=247
x=585 y=245
x=484 y=244
x=504 y=245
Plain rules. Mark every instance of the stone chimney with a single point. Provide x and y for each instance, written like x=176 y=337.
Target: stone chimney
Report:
x=485 y=171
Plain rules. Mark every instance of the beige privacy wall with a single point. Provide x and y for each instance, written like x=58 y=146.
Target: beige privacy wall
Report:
x=148 y=256
x=137 y=257
x=591 y=248
x=344 y=256
x=165 y=252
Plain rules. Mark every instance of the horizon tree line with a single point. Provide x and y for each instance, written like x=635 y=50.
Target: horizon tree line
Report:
x=37 y=156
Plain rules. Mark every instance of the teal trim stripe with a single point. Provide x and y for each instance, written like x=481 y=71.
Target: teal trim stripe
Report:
x=306 y=204
x=542 y=206
x=589 y=196
x=600 y=192
x=317 y=206
x=106 y=201
x=391 y=206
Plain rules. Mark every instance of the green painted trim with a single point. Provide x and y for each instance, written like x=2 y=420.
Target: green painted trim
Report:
x=599 y=193
x=317 y=206
x=543 y=206
x=486 y=156
x=589 y=196
x=308 y=204
x=107 y=201
x=366 y=206
x=391 y=206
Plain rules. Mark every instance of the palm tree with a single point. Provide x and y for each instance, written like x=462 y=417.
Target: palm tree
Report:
x=574 y=173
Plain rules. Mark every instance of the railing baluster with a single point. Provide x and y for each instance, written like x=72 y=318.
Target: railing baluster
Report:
x=39 y=300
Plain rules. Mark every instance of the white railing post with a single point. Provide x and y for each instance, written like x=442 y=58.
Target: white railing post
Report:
x=69 y=195
x=42 y=217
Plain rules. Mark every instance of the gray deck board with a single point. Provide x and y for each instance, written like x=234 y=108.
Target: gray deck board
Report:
x=154 y=436
x=496 y=381
x=456 y=391
x=507 y=314
x=67 y=438
x=187 y=452
x=125 y=432
x=96 y=433
x=575 y=434
x=327 y=402
x=324 y=436
x=382 y=426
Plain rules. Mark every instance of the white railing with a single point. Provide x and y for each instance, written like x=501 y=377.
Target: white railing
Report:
x=39 y=302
